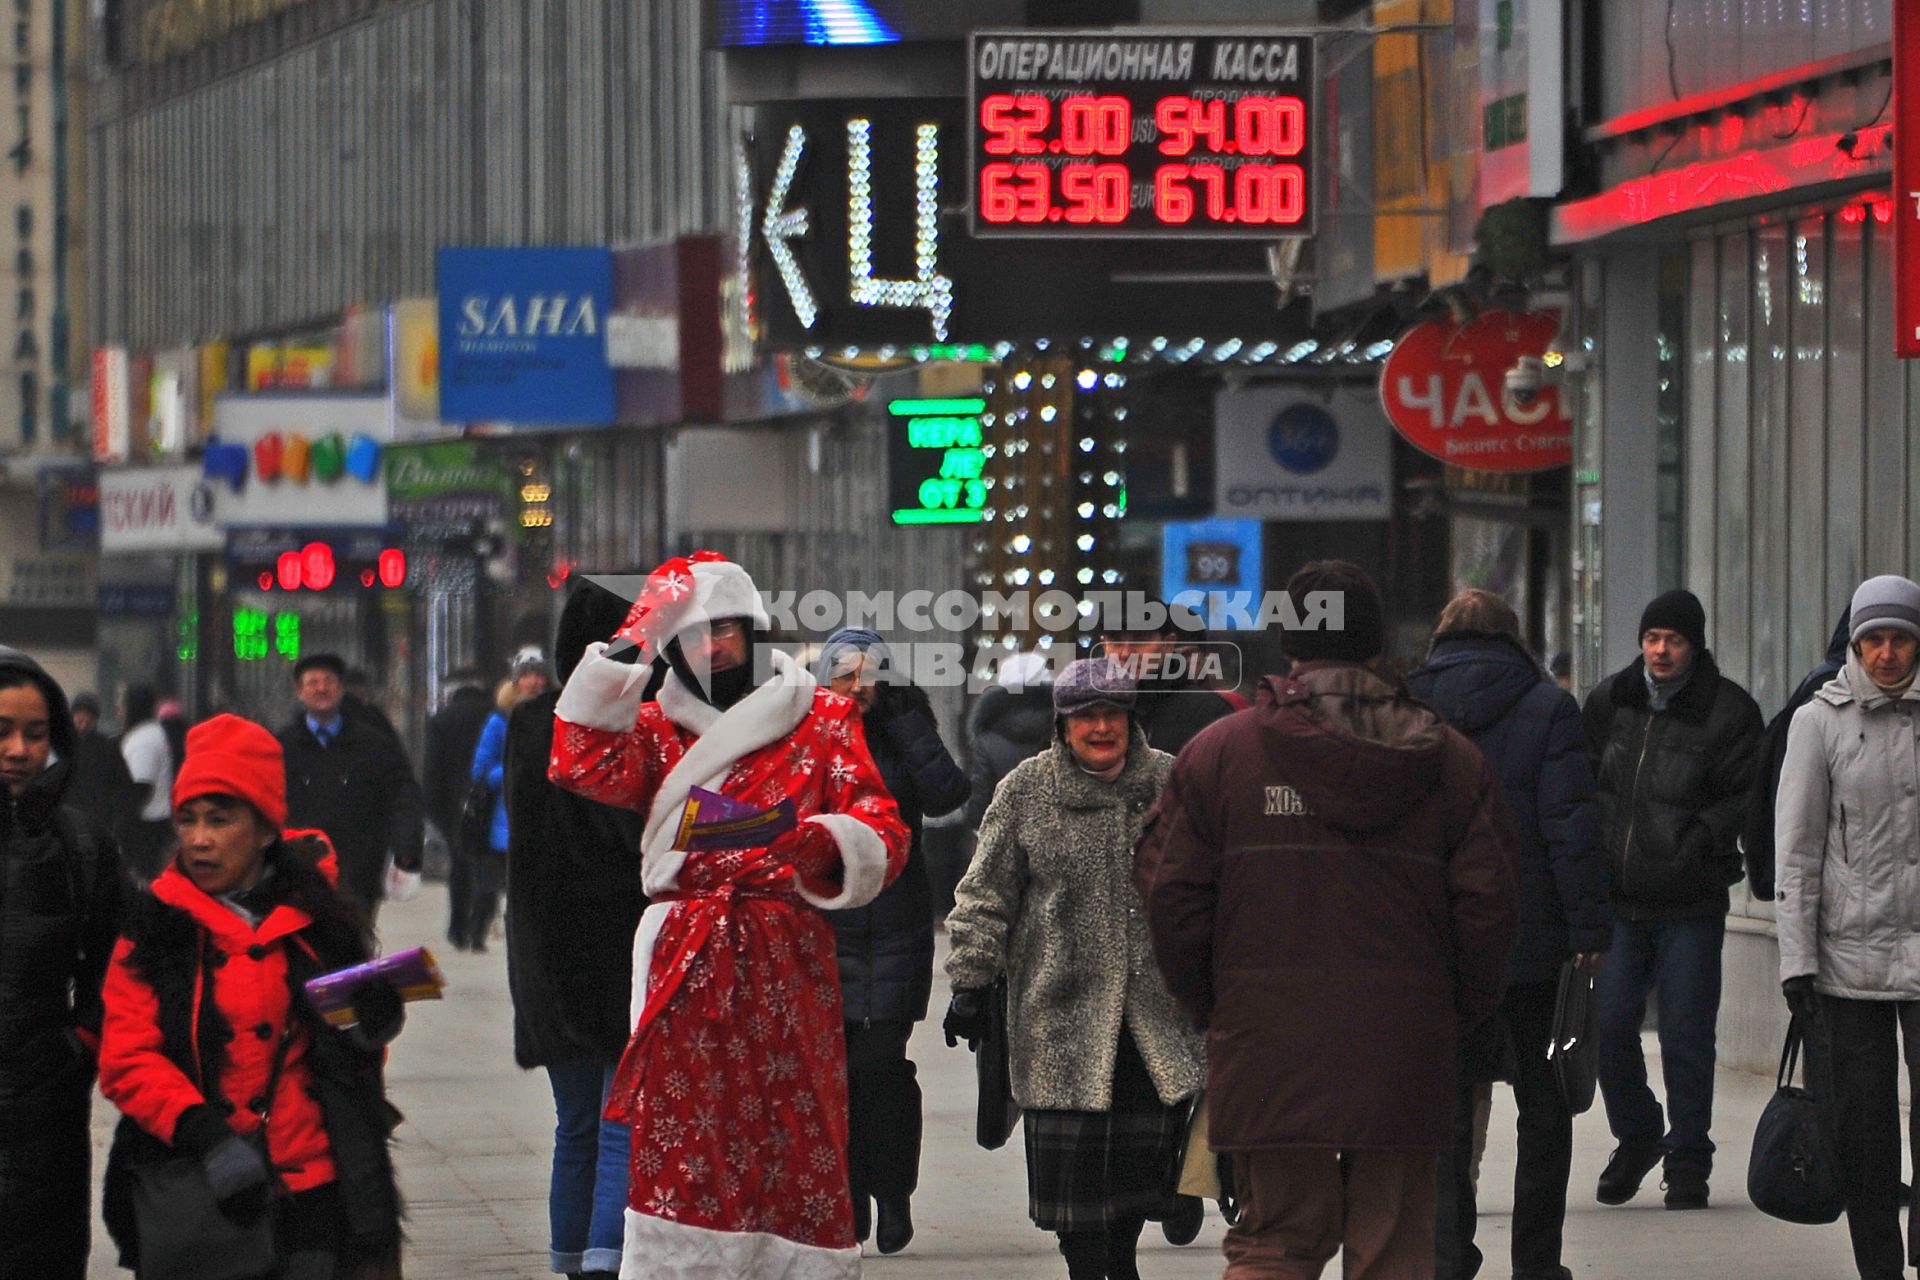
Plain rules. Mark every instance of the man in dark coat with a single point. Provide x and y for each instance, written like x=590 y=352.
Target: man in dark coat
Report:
x=101 y=786
x=1756 y=839
x=1012 y=721
x=61 y=886
x=1329 y=882
x=573 y=902
x=1174 y=704
x=349 y=779
x=885 y=949
x=1489 y=688
x=1673 y=744
x=451 y=735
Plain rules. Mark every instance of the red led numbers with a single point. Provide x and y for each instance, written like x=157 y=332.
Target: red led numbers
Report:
x=1012 y=123
x=1259 y=126
x=1096 y=193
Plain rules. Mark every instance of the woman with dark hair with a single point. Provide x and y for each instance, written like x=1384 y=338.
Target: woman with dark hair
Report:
x=60 y=887
x=212 y=1051
x=886 y=947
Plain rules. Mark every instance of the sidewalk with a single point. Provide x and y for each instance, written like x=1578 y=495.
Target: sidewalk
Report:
x=473 y=1166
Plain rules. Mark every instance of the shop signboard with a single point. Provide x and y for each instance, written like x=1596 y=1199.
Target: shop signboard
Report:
x=69 y=509
x=1214 y=567
x=523 y=335
x=934 y=461
x=317 y=559
x=112 y=414
x=1294 y=452
x=157 y=509
x=1445 y=390
x=857 y=237
x=1095 y=134
x=292 y=458
x=1906 y=181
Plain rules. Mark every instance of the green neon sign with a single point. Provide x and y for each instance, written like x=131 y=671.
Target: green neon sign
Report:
x=935 y=461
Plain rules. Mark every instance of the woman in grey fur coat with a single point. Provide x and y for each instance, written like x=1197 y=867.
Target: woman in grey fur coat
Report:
x=1103 y=1060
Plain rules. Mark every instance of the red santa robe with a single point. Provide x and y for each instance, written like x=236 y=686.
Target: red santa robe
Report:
x=735 y=1080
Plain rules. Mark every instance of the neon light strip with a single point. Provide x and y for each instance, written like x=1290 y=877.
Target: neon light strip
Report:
x=915 y=408
x=922 y=516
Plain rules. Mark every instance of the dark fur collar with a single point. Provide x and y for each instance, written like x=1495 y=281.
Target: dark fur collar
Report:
x=1694 y=702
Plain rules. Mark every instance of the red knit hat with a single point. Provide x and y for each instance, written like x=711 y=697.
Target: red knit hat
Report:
x=232 y=756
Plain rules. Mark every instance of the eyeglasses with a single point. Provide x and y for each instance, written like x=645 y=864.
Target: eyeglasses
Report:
x=728 y=629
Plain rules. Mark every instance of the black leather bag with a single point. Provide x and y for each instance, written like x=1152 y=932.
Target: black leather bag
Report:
x=1792 y=1174
x=476 y=820
x=1574 y=1051
x=999 y=1113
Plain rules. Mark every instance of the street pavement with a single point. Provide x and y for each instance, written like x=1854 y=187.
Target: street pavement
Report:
x=473 y=1165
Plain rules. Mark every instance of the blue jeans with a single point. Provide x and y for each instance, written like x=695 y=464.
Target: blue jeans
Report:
x=587 y=1206
x=1678 y=961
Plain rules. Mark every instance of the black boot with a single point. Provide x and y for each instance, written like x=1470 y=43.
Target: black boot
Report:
x=1123 y=1239
x=1629 y=1165
x=1183 y=1224
x=895 y=1228
x=1086 y=1254
x=862 y=1217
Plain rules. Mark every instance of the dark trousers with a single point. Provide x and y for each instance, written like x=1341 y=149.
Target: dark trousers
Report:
x=1104 y=1255
x=1679 y=961
x=45 y=1217
x=489 y=878
x=883 y=1111
x=459 y=892
x=1864 y=1041
x=1545 y=1153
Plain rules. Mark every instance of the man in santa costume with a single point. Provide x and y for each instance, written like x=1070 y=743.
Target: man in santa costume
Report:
x=735 y=1079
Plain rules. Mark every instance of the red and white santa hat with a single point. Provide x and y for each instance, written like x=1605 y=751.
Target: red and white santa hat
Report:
x=691 y=591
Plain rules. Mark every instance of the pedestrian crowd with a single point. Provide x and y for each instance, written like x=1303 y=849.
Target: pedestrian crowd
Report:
x=1276 y=954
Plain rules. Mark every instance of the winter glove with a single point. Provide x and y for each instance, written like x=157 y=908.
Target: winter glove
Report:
x=1801 y=997
x=378 y=1014
x=238 y=1177
x=966 y=1017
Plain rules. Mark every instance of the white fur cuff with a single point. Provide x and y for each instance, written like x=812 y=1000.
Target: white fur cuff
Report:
x=660 y=1249
x=602 y=694
x=863 y=856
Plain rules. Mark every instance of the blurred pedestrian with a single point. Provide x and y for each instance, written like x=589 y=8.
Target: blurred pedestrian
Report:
x=150 y=762
x=735 y=1078
x=358 y=701
x=1011 y=722
x=885 y=948
x=172 y=715
x=60 y=898
x=101 y=786
x=1104 y=1062
x=1848 y=907
x=452 y=734
x=210 y=1048
x=529 y=677
x=1480 y=677
x=1673 y=745
x=1561 y=669
x=348 y=779
x=1165 y=660
x=1330 y=886
x=573 y=902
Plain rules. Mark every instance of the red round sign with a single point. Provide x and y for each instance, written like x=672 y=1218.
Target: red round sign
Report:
x=1444 y=388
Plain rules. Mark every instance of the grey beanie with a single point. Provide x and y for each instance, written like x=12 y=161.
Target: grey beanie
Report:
x=1091 y=680
x=1886 y=601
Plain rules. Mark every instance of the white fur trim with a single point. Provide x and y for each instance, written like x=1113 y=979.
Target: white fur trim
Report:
x=645 y=939
x=660 y=1249
x=602 y=694
x=765 y=716
x=863 y=857
x=721 y=589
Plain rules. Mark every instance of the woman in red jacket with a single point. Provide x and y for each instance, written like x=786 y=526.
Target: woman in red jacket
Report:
x=205 y=992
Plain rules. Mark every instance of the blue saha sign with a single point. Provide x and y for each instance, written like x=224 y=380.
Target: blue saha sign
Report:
x=523 y=336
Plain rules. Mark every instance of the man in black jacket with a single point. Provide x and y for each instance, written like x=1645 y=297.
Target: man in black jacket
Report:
x=451 y=735
x=1173 y=704
x=350 y=780
x=1673 y=743
x=101 y=786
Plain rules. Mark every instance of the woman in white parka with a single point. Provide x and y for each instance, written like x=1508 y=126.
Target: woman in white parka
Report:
x=1847 y=867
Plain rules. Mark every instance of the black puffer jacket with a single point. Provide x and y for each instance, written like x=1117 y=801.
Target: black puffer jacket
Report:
x=1172 y=713
x=886 y=947
x=1673 y=789
x=1529 y=729
x=1756 y=841
x=1005 y=727
x=573 y=879
x=61 y=889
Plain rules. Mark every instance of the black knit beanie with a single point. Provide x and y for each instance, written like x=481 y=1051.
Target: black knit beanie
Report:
x=1363 y=634
x=1677 y=611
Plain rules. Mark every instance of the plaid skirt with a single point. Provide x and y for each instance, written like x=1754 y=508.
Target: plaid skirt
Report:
x=1089 y=1169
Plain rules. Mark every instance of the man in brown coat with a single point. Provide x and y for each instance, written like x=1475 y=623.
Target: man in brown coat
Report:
x=1329 y=884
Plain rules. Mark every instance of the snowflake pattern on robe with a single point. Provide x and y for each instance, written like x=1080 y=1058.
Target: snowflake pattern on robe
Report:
x=736 y=1089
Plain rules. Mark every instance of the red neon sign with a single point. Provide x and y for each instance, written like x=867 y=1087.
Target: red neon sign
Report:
x=1906 y=182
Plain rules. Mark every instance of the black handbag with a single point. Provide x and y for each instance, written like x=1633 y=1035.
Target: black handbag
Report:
x=999 y=1113
x=183 y=1232
x=475 y=834
x=1574 y=1051
x=1792 y=1174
